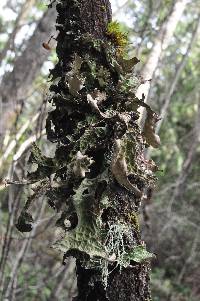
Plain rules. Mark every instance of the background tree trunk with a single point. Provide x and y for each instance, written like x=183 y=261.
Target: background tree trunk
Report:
x=171 y=230
x=26 y=7
x=160 y=44
x=15 y=85
x=173 y=84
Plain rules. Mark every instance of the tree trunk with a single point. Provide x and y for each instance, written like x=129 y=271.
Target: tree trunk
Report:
x=15 y=85
x=188 y=163
x=173 y=84
x=18 y=23
x=99 y=172
x=131 y=283
x=160 y=44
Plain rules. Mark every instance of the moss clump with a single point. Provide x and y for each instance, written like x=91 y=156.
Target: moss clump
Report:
x=118 y=37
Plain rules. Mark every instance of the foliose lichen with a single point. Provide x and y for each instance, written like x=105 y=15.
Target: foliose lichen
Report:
x=99 y=174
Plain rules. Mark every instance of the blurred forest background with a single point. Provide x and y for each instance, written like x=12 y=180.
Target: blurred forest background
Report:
x=165 y=36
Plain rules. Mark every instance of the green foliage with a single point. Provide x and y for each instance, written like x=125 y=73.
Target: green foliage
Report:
x=162 y=287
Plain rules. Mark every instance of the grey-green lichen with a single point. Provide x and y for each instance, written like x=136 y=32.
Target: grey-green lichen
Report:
x=86 y=237
x=99 y=152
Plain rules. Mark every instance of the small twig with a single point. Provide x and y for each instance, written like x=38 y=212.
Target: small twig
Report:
x=7 y=182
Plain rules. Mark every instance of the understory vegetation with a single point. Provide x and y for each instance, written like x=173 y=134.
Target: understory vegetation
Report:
x=50 y=157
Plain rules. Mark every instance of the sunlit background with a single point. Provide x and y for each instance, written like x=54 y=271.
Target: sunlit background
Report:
x=164 y=35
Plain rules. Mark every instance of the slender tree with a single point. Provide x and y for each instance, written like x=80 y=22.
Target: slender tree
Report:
x=161 y=43
x=24 y=11
x=98 y=177
x=16 y=85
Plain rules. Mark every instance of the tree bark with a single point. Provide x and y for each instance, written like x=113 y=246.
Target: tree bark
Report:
x=100 y=175
x=131 y=283
x=15 y=85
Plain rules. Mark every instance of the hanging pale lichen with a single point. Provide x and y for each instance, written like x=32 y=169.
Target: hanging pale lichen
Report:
x=98 y=175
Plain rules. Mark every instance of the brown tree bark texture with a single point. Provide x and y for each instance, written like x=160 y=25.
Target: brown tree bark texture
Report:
x=129 y=284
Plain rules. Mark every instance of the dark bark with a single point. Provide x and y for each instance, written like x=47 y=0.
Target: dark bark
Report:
x=100 y=175
x=131 y=283
x=95 y=16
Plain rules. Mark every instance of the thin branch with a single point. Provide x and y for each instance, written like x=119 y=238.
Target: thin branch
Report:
x=20 y=133
x=187 y=164
x=160 y=44
x=175 y=80
x=18 y=23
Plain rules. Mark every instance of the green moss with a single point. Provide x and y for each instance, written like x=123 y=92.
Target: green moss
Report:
x=118 y=37
x=129 y=84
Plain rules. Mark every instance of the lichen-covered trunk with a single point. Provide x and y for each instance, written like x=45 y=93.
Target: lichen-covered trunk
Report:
x=79 y=19
x=99 y=176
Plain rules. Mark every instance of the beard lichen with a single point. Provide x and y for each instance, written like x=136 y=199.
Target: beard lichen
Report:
x=99 y=148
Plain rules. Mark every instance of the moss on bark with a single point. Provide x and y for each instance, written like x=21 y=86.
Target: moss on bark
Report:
x=99 y=176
